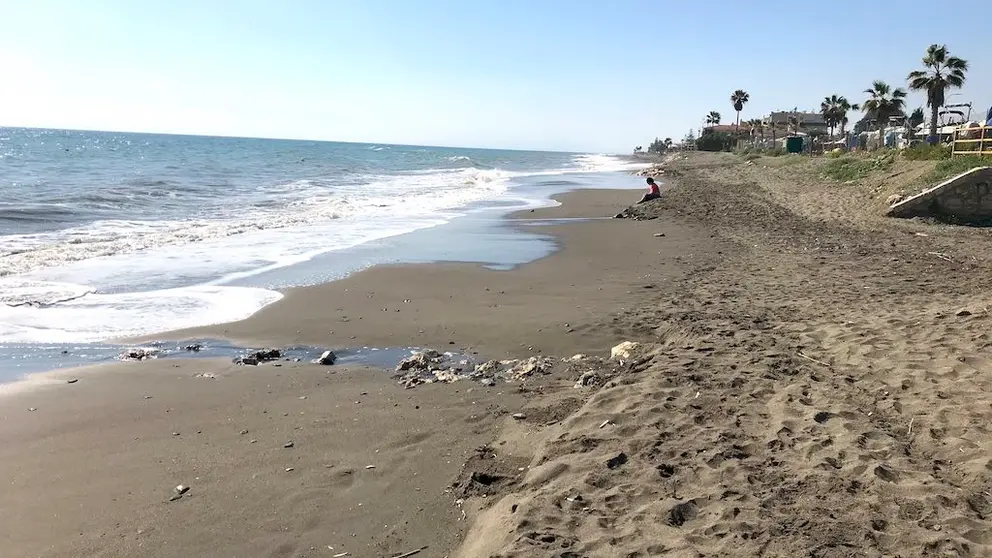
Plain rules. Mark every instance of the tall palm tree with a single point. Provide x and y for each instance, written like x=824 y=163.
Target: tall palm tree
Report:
x=942 y=73
x=739 y=98
x=883 y=101
x=830 y=109
x=843 y=107
x=713 y=118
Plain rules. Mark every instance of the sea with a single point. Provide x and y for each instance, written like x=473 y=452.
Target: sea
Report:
x=111 y=235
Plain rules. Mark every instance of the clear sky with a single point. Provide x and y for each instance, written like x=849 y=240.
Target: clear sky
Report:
x=576 y=75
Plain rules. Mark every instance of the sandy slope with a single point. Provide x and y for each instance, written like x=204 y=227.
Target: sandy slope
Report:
x=817 y=392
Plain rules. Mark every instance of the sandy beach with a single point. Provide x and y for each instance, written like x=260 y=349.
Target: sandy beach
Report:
x=93 y=464
x=809 y=379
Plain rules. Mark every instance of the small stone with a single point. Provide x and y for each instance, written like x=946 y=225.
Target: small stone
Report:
x=72 y=380
x=252 y=441
x=519 y=416
x=623 y=351
x=181 y=489
x=326 y=358
x=289 y=469
x=175 y=433
x=243 y=432
x=659 y=235
x=370 y=466
x=963 y=312
x=32 y=409
x=303 y=397
x=288 y=444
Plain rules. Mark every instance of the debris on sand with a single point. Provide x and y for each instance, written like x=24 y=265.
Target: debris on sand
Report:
x=254 y=358
x=138 y=353
x=430 y=366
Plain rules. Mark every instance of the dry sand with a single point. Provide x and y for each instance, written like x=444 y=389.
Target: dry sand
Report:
x=812 y=380
x=824 y=391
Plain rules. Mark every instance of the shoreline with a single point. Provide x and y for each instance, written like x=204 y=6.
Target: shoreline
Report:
x=801 y=374
x=368 y=308
x=183 y=416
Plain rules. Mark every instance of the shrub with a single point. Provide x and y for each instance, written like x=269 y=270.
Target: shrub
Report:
x=849 y=168
x=715 y=141
x=955 y=166
x=924 y=152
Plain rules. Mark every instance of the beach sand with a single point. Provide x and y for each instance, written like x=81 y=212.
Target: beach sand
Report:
x=810 y=379
x=92 y=468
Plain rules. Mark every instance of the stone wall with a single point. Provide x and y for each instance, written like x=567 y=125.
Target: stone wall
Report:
x=966 y=197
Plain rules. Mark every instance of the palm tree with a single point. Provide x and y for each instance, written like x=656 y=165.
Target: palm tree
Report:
x=843 y=107
x=713 y=118
x=915 y=119
x=942 y=73
x=830 y=109
x=668 y=143
x=883 y=102
x=739 y=98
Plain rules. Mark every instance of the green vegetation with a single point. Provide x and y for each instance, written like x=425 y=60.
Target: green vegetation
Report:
x=942 y=73
x=923 y=152
x=953 y=167
x=847 y=168
x=713 y=118
x=715 y=141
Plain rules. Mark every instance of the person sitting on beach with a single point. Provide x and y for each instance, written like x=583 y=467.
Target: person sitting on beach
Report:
x=653 y=191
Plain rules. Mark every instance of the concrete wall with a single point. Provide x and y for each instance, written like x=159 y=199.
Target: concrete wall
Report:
x=967 y=197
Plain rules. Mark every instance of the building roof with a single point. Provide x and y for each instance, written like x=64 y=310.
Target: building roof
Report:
x=727 y=128
x=808 y=118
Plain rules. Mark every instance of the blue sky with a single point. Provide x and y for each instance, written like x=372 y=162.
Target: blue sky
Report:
x=539 y=74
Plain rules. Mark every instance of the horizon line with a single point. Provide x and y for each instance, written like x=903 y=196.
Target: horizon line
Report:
x=225 y=136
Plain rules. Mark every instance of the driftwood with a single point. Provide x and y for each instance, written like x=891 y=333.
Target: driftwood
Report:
x=411 y=553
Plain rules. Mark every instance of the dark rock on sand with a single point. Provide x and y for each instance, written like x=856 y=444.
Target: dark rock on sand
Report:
x=617 y=461
x=255 y=358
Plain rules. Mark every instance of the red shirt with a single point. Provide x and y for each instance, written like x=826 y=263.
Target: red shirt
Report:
x=654 y=189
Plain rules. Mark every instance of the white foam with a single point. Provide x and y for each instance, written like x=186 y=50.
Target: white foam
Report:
x=123 y=278
x=97 y=317
x=607 y=163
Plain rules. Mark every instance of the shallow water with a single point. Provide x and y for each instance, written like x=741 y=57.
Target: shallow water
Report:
x=57 y=315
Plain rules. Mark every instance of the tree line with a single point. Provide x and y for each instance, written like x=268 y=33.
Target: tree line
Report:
x=940 y=72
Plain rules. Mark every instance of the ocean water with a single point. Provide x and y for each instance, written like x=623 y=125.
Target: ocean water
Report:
x=109 y=235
